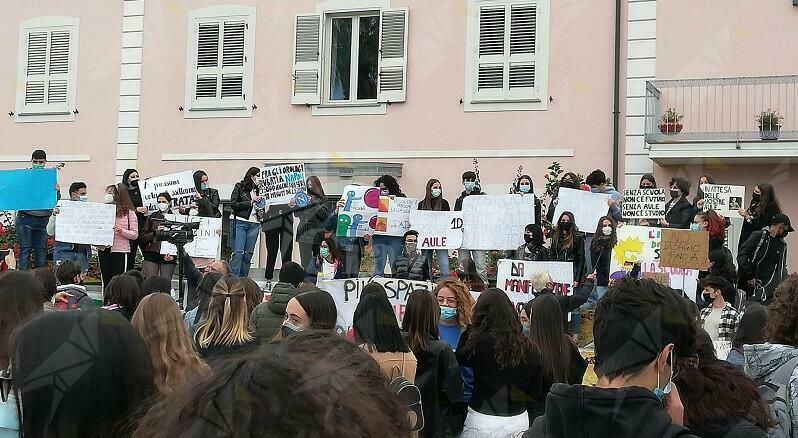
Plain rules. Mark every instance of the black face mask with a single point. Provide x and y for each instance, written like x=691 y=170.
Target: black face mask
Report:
x=756 y=197
x=134 y=183
x=565 y=226
x=675 y=194
x=527 y=239
x=568 y=185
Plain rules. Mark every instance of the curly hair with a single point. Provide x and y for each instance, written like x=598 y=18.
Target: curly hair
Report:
x=715 y=225
x=495 y=317
x=465 y=301
x=782 y=325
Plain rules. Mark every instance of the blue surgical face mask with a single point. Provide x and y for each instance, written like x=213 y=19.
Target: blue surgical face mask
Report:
x=525 y=188
x=469 y=185
x=695 y=227
x=37 y=166
x=448 y=313
x=660 y=393
x=204 y=186
x=83 y=198
x=594 y=189
x=526 y=330
x=436 y=193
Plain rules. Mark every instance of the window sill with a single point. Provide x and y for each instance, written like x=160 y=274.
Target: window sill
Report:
x=510 y=105
x=220 y=113
x=369 y=109
x=41 y=118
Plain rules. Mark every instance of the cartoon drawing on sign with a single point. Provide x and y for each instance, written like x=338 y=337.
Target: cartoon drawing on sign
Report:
x=358 y=216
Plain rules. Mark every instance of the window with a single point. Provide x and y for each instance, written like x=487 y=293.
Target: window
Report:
x=350 y=58
x=507 y=55
x=220 y=68
x=47 y=68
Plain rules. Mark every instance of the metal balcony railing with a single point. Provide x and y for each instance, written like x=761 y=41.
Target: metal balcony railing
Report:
x=722 y=110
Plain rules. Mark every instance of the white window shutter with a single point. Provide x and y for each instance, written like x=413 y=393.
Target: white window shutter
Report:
x=521 y=83
x=36 y=70
x=232 y=92
x=306 y=77
x=392 y=83
x=491 y=53
x=48 y=68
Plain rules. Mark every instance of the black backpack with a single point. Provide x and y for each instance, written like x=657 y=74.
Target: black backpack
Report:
x=409 y=396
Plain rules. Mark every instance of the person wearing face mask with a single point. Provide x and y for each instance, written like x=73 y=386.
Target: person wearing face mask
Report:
x=311 y=218
x=679 y=212
x=386 y=249
x=711 y=222
x=720 y=319
x=411 y=265
x=532 y=250
x=311 y=310
x=155 y=263
x=597 y=181
x=524 y=186
x=433 y=201
x=206 y=200
x=567 y=245
x=600 y=256
x=328 y=265
x=31 y=225
x=245 y=226
x=569 y=180
x=763 y=259
x=114 y=259
x=471 y=186
x=70 y=251
x=764 y=206
x=636 y=345
x=130 y=178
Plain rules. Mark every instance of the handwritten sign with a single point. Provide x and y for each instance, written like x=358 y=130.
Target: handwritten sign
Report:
x=393 y=215
x=207 y=239
x=514 y=277
x=662 y=278
x=644 y=203
x=27 y=189
x=496 y=222
x=346 y=294
x=438 y=229
x=586 y=207
x=684 y=249
x=726 y=200
x=358 y=216
x=685 y=280
x=280 y=184
x=87 y=223
x=180 y=187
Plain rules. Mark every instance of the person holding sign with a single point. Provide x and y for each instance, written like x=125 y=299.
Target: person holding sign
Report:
x=206 y=200
x=155 y=263
x=411 y=265
x=714 y=224
x=114 y=260
x=433 y=201
x=647 y=181
x=32 y=224
x=386 y=247
x=472 y=188
x=764 y=206
x=70 y=251
x=311 y=219
x=567 y=245
x=130 y=179
x=245 y=227
x=679 y=212
x=532 y=250
x=525 y=186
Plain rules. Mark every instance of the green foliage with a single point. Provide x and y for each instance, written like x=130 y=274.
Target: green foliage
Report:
x=671 y=116
x=768 y=119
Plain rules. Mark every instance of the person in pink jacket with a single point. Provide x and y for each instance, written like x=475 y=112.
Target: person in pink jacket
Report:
x=113 y=259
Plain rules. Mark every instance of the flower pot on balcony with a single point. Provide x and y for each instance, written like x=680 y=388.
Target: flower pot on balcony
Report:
x=670 y=128
x=769 y=133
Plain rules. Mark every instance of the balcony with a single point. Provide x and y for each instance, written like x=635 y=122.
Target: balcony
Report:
x=716 y=120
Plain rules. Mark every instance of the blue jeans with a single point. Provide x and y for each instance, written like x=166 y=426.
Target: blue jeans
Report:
x=596 y=295
x=67 y=251
x=244 y=238
x=443 y=260
x=32 y=237
x=385 y=247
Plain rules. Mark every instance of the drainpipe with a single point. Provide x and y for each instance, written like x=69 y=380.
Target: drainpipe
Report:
x=616 y=108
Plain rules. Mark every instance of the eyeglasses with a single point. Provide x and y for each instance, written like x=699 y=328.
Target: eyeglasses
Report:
x=6 y=382
x=448 y=302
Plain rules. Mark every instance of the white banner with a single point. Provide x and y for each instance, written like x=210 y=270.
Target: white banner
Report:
x=587 y=207
x=496 y=222
x=207 y=239
x=438 y=229
x=726 y=200
x=180 y=187
x=280 y=184
x=88 y=223
x=393 y=215
x=514 y=277
x=644 y=203
x=358 y=216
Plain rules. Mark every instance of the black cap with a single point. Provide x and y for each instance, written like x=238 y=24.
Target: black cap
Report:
x=782 y=218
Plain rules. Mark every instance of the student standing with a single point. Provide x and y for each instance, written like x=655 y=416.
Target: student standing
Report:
x=719 y=319
x=434 y=201
x=532 y=250
x=386 y=248
x=600 y=256
x=70 y=251
x=714 y=224
x=155 y=263
x=311 y=220
x=32 y=225
x=477 y=256
x=567 y=245
x=647 y=181
x=207 y=198
x=130 y=180
x=114 y=259
x=679 y=212
x=246 y=222
x=763 y=259
x=764 y=206
x=525 y=186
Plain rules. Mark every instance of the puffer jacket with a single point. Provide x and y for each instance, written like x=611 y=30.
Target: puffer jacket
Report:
x=774 y=367
x=267 y=318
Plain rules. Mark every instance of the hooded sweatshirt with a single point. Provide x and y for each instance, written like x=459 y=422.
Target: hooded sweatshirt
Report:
x=615 y=209
x=267 y=318
x=579 y=411
x=775 y=368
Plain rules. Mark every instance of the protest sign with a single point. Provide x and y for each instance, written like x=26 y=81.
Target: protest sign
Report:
x=496 y=222
x=724 y=199
x=180 y=187
x=280 y=184
x=28 y=189
x=514 y=277
x=684 y=249
x=7 y=218
x=438 y=229
x=207 y=239
x=393 y=215
x=644 y=203
x=662 y=278
x=587 y=207
x=346 y=294
x=87 y=223
x=358 y=216
x=685 y=280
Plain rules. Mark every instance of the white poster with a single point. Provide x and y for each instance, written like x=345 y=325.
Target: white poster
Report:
x=180 y=187
x=393 y=215
x=587 y=207
x=438 y=229
x=358 y=216
x=207 y=239
x=514 y=277
x=88 y=223
x=724 y=199
x=644 y=203
x=346 y=294
x=280 y=184
x=496 y=222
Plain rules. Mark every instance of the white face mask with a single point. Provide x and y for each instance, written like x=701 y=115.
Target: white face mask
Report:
x=109 y=198
x=163 y=207
x=607 y=231
x=436 y=193
x=193 y=212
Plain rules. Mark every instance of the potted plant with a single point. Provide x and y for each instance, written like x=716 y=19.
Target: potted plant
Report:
x=769 y=123
x=670 y=122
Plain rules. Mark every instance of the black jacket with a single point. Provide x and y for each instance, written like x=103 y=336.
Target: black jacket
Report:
x=756 y=222
x=439 y=380
x=732 y=428
x=764 y=258
x=600 y=263
x=405 y=267
x=444 y=205
x=278 y=217
x=578 y=411
x=532 y=253
x=576 y=373
x=135 y=197
x=311 y=221
x=209 y=202
x=574 y=254
x=679 y=215
x=458 y=204
x=193 y=278
x=241 y=201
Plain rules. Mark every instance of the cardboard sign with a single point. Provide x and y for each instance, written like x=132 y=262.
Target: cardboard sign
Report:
x=514 y=277
x=87 y=223
x=438 y=229
x=180 y=187
x=346 y=294
x=393 y=215
x=662 y=278
x=358 y=216
x=724 y=199
x=587 y=207
x=207 y=239
x=644 y=203
x=28 y=189
x=496 y=222
x=280 y=184
x=684 y=249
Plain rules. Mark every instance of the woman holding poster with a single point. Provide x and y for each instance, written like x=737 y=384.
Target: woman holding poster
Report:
x=764 y=205
x=386 y=247
x=312 y=218
x=130 y=179
x=433 y=201
x=155 y=263
x=568 y=245
x=114 y=259
x=245 y=226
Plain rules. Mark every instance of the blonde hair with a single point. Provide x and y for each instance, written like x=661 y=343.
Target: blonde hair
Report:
x=228 y=319
x=539 y=280
x=160 y=324
x=465 y=302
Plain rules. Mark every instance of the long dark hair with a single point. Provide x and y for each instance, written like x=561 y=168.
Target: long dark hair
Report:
x=246 y=182
x=723 y=265
x=548 y=338
x=531 y=184
x=123 y=290
x=602 y=242
x=391 y=184
x=430 y=202
x=49 y=281
x=767 y=199
x=470 y=276
x=495 y=317
x=376 y=326
x=751 y=329
x=565 y=239
x=649 y=177
x=126 y=177
x=315 y=189
x=335 y=251
x=204 y=292
x=20 y=298
x=421 y=320
x=320 y=308
x=198 y=179
x=121 y=199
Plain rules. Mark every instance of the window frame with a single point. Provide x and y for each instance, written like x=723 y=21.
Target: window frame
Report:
x=326 y=58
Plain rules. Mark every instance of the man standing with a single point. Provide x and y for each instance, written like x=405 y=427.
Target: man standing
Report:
x=32 y=226
x=71 y=251
x=763 y=258
x=471 y=186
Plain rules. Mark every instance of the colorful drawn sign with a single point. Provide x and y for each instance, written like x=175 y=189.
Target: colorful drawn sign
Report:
x=393 y=215
x=358 y=216
x=280 y=184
